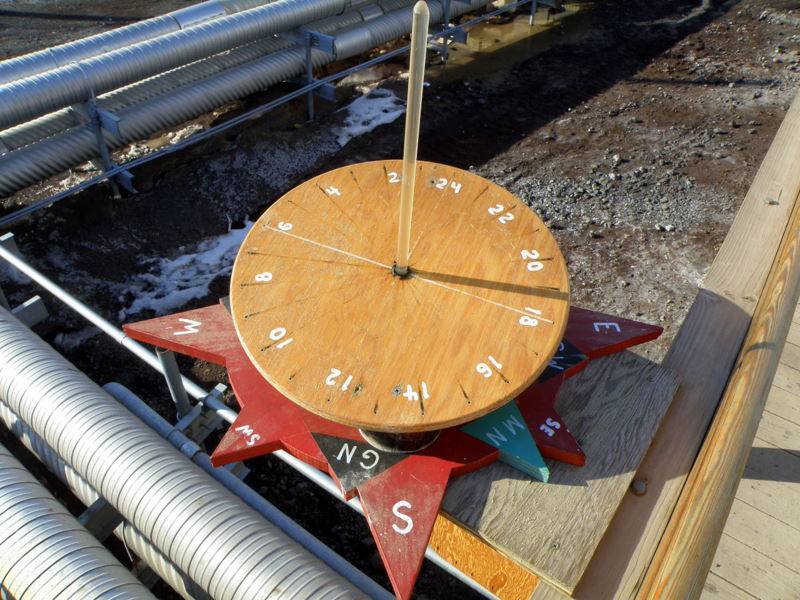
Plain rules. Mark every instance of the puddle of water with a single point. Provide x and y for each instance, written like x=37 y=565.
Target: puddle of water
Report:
x=493 y=48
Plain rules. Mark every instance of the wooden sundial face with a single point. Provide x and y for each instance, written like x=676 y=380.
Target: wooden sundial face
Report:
x=322 y=317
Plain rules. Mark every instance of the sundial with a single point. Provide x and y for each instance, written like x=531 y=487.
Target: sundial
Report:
x=395 y=348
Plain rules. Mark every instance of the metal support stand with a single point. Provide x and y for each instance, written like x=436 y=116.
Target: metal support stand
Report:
x=173 y=377
x=99 y=120
x=100 y=519
x=454 y=34
x=198 y=424
x=33 y=310
x=311 y=40
x=534 y=8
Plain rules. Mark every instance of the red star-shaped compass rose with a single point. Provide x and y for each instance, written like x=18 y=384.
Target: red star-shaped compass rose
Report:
x=401 y=493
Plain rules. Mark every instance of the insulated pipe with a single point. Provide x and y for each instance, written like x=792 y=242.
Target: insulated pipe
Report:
x=181 y=509
x=28 y=133
x=58 y=56
x=134 y=539
x=131 y=537
x=46 y=553
x=33 y=96
x=63 y=150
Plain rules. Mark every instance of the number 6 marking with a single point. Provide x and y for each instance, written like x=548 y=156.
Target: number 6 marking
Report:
x=283 y=226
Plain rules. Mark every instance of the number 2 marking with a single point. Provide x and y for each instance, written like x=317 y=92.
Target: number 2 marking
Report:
x=393 y=177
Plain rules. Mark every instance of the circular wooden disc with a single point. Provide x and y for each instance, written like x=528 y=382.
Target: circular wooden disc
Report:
x=323 y=318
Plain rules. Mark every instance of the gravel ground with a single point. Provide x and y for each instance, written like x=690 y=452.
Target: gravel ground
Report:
x=632 y=128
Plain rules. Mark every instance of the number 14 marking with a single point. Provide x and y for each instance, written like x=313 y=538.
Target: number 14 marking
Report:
x=414 y=396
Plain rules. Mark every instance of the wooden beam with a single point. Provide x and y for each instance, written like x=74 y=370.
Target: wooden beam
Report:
x=684 y=556
x=703 y=356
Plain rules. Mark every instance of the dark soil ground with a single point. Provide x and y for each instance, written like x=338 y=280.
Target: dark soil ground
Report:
x=632 y=128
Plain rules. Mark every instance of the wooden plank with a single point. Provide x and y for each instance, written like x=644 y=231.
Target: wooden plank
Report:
x=703 y=356
x=791 y=355
x=753 y=571
x=717 y=588
x=764 y=533
x=613 y=409
x=770 y=482
x=794 y=336
x=680 y=565
x=784 y=404
x=779 y=432
x=787 y=378
x=470 y=555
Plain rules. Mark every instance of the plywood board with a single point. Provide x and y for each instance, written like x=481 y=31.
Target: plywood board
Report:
x=465 y=551
x=613 y=408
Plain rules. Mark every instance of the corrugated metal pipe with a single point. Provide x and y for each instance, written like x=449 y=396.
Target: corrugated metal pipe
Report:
x=46 y=553
x=28 y=133
x=133 y=538
x=59 y=152
x=220 y=543
x=58 y=56
x=25 y=99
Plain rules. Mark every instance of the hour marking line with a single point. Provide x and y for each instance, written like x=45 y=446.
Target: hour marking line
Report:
x=511 y=308
x=375 y=262
x=321 y=245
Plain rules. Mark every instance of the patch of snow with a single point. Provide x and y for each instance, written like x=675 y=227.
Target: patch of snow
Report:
x=169 y=284
x=379 y=107
x=70 y=341
x=9 y=273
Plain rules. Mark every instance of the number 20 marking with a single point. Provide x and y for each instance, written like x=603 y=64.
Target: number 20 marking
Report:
x=532 y=255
